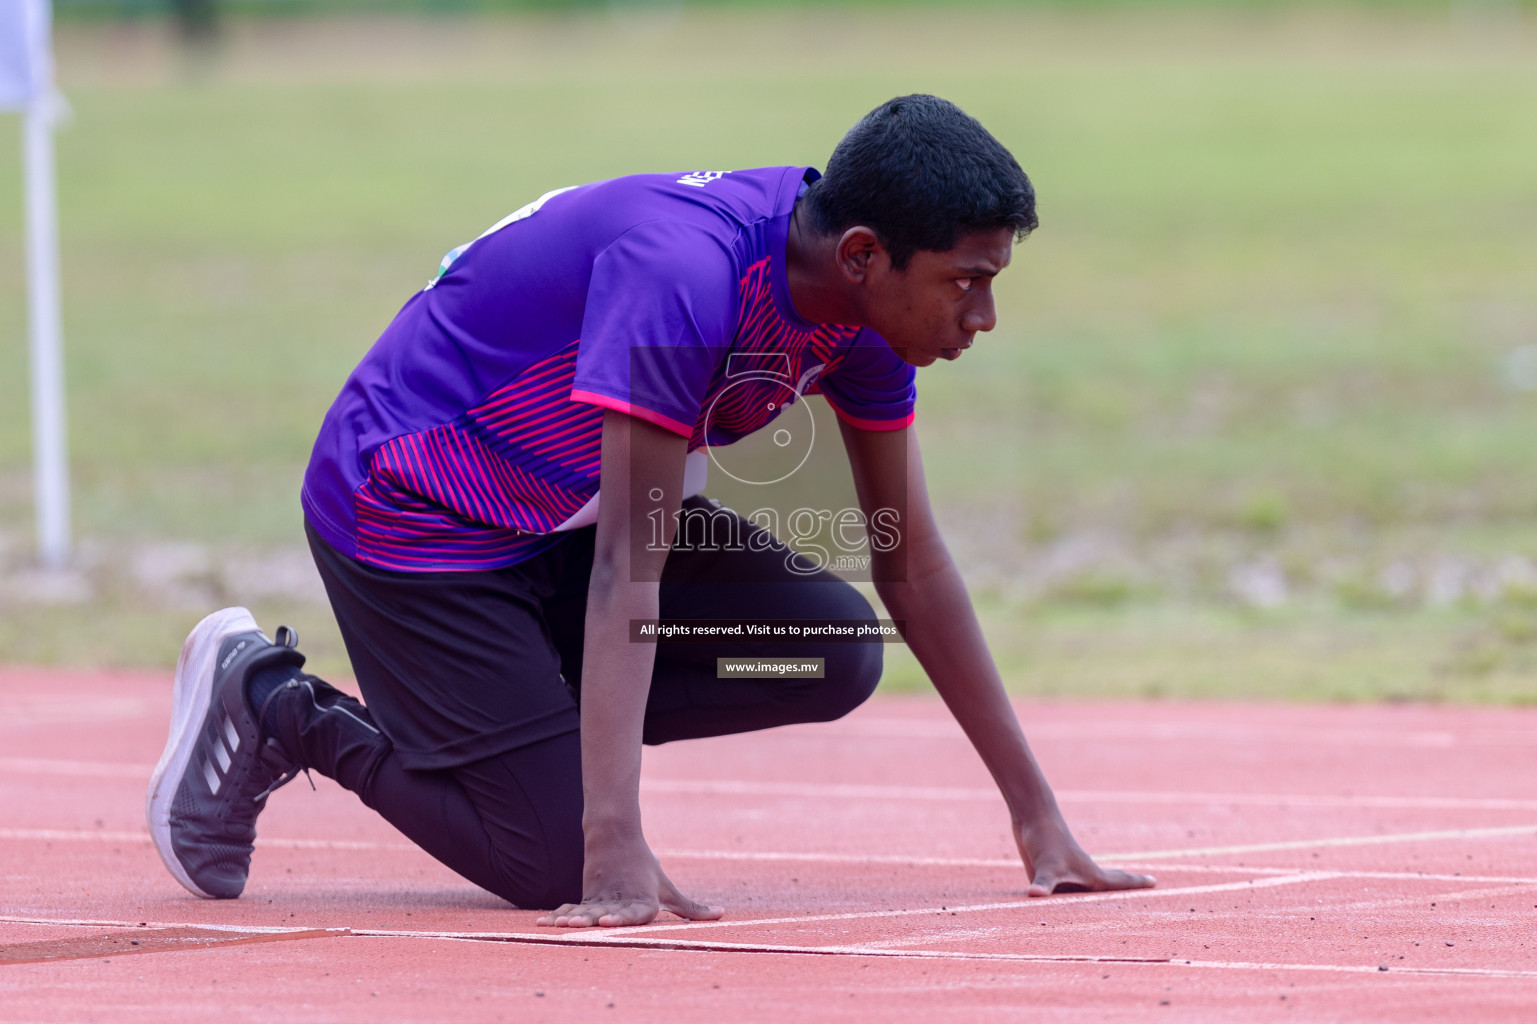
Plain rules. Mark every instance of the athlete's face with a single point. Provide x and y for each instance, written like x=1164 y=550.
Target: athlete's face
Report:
x=933 y=308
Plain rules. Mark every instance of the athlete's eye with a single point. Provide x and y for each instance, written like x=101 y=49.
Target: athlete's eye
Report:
x=965 y=283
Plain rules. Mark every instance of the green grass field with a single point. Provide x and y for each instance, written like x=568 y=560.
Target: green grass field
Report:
x=1255 y=421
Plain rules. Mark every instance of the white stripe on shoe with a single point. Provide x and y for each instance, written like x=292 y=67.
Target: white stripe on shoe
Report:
x=190 y=700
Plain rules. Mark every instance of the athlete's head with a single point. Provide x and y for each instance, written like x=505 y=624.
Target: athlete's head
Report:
x=925 y=205
x=921 y=173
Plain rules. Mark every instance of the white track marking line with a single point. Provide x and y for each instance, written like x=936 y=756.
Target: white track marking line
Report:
x=1474 y=972
x=628 y=938
x=949 y=935
x=22 y=715
x=1390 y=876
x=250 y=929
x=279 y=842
x=1306 y=844
x=101 y=835
x=73 y=835
x=1034 y=902
x=1301 y=800
x=816 y=790
x=50 y=766
x=1214 y=732
x=1435 y=897
x=939 y=794
x=842 y=858
x=1013 y=863
x=1194 y=890
x=951 y=794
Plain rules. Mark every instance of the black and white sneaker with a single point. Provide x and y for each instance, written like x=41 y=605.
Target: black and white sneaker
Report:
x=216 y=772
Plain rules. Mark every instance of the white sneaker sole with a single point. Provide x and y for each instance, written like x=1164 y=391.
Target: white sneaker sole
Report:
x=190 y=699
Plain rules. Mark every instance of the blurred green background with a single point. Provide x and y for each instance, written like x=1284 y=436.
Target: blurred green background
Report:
x=1259 y=418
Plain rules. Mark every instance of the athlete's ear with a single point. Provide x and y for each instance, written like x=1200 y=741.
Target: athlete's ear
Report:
x=858 y=251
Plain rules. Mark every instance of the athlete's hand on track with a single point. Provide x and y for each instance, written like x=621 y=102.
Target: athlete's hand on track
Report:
x=622 y=883
x=1057 y=864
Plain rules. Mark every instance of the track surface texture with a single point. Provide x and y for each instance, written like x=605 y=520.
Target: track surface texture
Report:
x=1322 y=863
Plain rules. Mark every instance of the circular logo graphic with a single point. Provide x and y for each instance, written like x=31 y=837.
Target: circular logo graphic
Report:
x=769 y=455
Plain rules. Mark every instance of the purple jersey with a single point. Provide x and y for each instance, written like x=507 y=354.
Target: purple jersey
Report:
x=469 y=435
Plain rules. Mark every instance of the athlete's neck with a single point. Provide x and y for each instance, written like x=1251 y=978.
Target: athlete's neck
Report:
x=818 y=290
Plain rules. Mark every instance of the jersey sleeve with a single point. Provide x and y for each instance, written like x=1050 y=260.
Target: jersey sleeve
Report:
x=660 y=315
x=871 y=387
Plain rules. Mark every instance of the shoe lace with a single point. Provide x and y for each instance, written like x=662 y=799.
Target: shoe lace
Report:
x=284 y=779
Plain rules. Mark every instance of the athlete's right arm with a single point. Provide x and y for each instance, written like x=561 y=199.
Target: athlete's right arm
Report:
x=641 y=487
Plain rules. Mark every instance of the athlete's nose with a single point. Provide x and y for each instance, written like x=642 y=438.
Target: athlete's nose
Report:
x=981 y=317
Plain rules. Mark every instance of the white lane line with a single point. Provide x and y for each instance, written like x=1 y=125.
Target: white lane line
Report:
x=627 y=938
x=21 y=715
x=952 y=935
x=1465 y=972
x=938 y=794
x=1037 y=903
x=843 y=858
x=1494 y=892
x=817 y=790
x=899 y=860
x=73 y=835
x=56 y=922
x=1014 y=863
x=1303 y=800
x=106 y=836
x=1390 y=876
x=1308 y=844
x=1421 y=876
x=1194 y=890
x=952 y=794
x=51 y=766
x=1213 y=732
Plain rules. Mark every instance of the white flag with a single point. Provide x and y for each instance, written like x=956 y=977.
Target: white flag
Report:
x=26 y=64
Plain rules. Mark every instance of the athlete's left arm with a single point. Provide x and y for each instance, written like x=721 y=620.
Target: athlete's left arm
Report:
x=921 y=588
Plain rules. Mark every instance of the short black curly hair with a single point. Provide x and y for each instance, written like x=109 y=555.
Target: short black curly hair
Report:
x=920 y=172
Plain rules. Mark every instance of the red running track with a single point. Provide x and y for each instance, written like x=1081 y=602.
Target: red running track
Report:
x=865 y=866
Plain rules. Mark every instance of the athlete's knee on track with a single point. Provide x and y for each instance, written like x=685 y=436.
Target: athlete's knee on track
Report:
x=850 y=674
x=542 y=881
x=560 y=886
x=539 y=864
x=851 y=670
x=550 y=872
x=528 y=802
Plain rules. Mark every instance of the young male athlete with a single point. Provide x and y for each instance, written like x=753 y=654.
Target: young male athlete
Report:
x=583 y=347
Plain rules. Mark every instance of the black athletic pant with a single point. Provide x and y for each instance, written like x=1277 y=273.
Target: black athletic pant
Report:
x=468 y=744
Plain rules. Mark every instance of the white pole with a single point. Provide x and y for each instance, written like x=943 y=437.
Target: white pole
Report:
x=49 y=446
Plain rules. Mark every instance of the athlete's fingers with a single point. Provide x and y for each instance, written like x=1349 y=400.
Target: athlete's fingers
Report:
x=564 y=910
x=1101 y=880
x=1128 y=880
x=632 y=913
x=603 y=913
x=1048 y=883
x=581 y=915
x=1044 y=884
